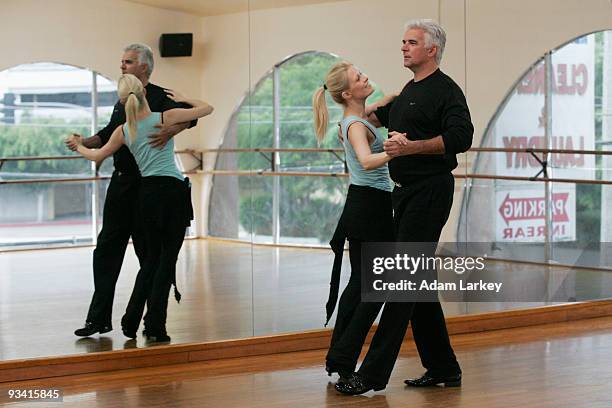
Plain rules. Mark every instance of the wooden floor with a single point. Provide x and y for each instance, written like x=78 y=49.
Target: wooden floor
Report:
x=229 y=291
x=555 y=365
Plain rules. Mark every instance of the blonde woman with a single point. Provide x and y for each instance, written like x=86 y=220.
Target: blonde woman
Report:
x=164 y=202
x=367 y=215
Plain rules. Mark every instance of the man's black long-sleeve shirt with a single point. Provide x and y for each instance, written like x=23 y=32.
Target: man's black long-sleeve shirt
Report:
x=158 y=102
x=423 y=110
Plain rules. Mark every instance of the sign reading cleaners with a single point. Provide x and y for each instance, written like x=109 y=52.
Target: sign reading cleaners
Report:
x=520 y=207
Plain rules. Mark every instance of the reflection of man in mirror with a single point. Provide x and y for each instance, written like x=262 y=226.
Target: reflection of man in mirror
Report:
x=119 y=221
x=432 y=111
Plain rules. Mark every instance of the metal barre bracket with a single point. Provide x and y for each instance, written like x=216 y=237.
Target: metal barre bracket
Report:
x=339 y=158
x=199 y=157
x=543 y=163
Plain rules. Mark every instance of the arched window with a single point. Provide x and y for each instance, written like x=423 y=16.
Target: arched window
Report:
x=41 y=104
x=568 y=108
x=304 y=209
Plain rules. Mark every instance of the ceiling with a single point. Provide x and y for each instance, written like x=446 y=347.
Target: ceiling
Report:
x=217 y=7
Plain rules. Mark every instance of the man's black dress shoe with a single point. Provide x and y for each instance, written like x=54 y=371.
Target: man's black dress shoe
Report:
x=128 y=331
x=156 y=337
x=93 y=328
x=427 y=381
x=131 y=334
x=357 y=385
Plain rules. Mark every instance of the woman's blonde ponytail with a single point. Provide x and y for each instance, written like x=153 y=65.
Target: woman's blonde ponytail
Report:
x=131 y=91
x=321 y=114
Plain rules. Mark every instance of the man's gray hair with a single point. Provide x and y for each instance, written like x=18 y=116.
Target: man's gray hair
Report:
x=145 y=55
x=434 y=34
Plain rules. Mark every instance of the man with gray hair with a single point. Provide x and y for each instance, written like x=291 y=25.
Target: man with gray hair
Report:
x=119 y=218
x=432 y=118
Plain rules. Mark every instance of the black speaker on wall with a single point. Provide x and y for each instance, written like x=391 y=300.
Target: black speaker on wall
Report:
x=176 y=45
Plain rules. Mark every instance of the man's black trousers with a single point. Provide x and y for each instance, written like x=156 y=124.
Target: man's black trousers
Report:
x=119 y=223
x=421 y=208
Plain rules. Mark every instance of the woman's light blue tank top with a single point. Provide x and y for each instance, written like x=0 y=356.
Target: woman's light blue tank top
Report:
x=377 y=178
x=152 y=161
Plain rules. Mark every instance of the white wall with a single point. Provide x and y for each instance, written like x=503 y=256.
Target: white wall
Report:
x=92 y=34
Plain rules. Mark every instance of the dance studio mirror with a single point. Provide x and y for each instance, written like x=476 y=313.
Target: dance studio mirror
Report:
x=266 y=196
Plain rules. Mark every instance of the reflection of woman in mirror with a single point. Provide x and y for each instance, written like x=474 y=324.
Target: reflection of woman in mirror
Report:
x=164 y=202
x=367 y=214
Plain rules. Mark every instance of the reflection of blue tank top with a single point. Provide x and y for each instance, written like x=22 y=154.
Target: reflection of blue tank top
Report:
x=377 y=178
x=152 y=161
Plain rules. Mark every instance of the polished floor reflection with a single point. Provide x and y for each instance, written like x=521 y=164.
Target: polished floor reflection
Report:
x=549 y=366
x=229 y=291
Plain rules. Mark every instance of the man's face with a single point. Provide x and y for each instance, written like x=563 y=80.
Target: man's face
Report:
x=130 y=65
x=414 y=50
